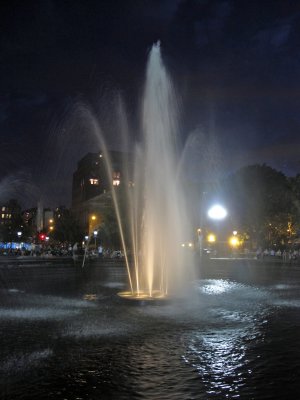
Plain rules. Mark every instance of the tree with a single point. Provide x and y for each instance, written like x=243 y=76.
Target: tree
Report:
x=109 y=230
x=66 y=229
x=263 y=203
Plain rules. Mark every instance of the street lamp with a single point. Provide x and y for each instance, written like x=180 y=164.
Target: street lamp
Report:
x=233 y=241
x=85 y=242
x=217 y=212
x=19 y=233
x=95 y=236
x=211 y=238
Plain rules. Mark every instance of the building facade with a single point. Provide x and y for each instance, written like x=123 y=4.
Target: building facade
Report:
x=10 y=212
x=91 y=187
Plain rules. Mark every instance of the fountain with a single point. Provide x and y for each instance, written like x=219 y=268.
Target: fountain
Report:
x=156 y=204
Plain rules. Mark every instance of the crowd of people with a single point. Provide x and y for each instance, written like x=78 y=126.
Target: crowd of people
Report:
x=285 y=255
x=64 y=250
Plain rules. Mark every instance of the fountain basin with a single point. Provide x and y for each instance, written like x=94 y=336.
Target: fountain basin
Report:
x=142 y=298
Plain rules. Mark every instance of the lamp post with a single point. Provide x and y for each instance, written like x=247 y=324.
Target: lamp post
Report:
x=217 y=213
x=95 y=236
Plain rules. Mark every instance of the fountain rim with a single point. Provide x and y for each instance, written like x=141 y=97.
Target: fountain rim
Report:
x=144 y=298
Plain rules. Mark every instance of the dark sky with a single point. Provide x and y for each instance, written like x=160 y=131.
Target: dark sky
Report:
x=235 y=65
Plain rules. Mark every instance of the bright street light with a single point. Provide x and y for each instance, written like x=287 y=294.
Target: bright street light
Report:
x=234 y=241
x=217 y=212
x=211 y=238
x=95 y=236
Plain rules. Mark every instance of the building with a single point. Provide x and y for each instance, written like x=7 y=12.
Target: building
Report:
x=10 y=221
x=10 y=212
x=91 y=187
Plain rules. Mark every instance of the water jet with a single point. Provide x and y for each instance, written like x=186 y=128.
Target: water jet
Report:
x=156 y=206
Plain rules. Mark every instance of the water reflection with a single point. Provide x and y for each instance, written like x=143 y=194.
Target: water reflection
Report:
x=219 y=357
x=227 y=340
x=220 y=354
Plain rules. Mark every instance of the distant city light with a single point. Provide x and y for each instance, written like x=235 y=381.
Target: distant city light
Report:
x=217 y=212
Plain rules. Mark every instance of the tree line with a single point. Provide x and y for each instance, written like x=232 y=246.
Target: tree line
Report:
x=264 y=204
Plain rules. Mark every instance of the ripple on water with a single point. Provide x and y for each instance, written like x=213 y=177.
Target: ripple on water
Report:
x=220 y=358
x=38 y=313
x=37 y=307
x=21 y=362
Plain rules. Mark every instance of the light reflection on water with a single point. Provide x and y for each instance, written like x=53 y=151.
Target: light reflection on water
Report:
x=217 y=286
x=219 y=354
x=226 y=340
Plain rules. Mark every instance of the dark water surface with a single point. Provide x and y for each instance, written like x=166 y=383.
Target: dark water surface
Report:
x=64 y=334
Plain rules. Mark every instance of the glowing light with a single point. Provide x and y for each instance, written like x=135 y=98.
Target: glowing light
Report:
x=142 y=295
x=233 y=241
x=211 y=238
x=217 y=212
x=42 y=236
x=93 y=217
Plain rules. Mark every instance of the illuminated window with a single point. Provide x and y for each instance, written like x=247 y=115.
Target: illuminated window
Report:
x=3 y=208
x=2 y=215
x=94 y=181
x=116 y=178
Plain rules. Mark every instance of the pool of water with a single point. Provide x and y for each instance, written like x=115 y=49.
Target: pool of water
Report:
x=65 y=334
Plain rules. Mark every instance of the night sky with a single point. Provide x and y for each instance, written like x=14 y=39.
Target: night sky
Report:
x=235 y=66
